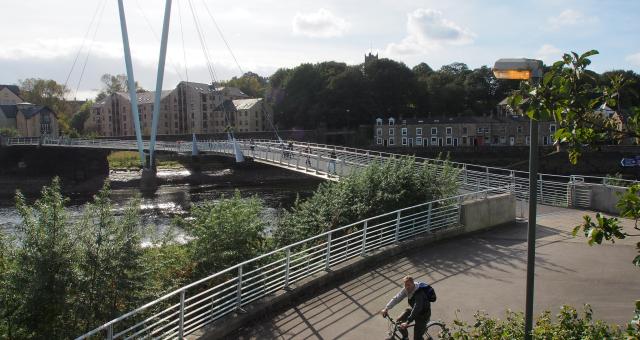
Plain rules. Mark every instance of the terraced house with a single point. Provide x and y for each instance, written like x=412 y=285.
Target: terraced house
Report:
x=189 y=108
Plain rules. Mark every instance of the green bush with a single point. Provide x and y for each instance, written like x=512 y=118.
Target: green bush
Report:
x=568 y=324
x=224 y=233
x=377 y=189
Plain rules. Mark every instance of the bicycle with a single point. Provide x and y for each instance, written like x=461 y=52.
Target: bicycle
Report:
x=435 y=329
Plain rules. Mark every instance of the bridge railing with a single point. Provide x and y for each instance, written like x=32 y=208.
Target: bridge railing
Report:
x=333 y=162
x=193 y=306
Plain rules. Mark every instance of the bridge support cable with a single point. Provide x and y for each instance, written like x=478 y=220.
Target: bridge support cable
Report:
x=131 y=82
x=159 y=80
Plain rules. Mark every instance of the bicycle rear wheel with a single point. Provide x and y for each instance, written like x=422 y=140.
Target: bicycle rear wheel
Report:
x=435 y=330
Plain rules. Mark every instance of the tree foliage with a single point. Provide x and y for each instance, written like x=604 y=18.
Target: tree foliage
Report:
x=115 y=83
x=567 y=324
x=224 y=233
x=570 y=95
x=377 y=189
x=340 y=95
x=250 y=83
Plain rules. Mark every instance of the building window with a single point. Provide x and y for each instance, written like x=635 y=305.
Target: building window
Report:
x=434 y=131
x=464 y=130
x=526 y=140
x=552 y=128
x=449 y=130
x=404 y=140
x=391 y=132
x=378 y=131
x=391 y=121
x=464 y=140
x=379 y=122
x=404 y=131
x=391 y=141
x=519 y=129
x=479 y=130
x=486 y=130
x=434 y=141
x=418 y=140
x=545 y=140
x=379 y=141
x=449 y=141
x=418 y=131
x=503 y=140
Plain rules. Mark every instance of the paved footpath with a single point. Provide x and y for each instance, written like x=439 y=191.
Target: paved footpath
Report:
x=485 y=271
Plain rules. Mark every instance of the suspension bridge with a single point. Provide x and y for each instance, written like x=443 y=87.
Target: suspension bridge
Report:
x=190 y=308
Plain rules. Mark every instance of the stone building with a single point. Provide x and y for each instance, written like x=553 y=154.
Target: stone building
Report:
x=10 y=95
x=189 y=108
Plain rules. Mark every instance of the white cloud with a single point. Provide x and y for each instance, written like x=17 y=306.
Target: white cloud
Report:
x=549 y=54
x=428 y=29
x=634 y=59
x=569 y=17
x=321 y=24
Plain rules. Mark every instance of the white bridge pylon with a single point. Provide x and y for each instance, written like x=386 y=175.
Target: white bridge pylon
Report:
x=132 y=87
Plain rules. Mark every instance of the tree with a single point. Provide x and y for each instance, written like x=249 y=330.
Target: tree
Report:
x=250 y=83
x=377 y=189
x=45 y=92
x=225 y=233
x=43 y=285
x=115 y=83
x=79 y=118
x=570 y=95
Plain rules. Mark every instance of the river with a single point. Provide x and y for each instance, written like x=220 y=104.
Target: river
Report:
x=277 y=188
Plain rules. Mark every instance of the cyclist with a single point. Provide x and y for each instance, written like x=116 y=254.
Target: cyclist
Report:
x=417 y=294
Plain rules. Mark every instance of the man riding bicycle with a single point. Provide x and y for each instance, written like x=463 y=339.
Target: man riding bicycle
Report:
x=419 y=295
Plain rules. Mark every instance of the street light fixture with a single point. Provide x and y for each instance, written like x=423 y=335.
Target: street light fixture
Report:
x=527 y=69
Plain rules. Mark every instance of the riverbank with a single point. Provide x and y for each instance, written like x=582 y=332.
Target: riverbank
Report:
x=220 y=175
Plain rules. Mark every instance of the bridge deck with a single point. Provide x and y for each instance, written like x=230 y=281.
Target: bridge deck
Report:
x=482 y=271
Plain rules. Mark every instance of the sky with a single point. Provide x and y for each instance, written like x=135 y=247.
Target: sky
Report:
x=43 y=38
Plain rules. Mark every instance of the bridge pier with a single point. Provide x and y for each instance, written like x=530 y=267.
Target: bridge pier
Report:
x=148 y=180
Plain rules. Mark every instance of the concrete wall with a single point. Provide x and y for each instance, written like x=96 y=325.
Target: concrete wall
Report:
x=604 y=198
x=484 y=213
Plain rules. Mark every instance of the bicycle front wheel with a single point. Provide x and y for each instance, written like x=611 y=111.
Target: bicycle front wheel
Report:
x=435 y=331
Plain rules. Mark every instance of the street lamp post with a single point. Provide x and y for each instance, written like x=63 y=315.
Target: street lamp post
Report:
x=527 y=69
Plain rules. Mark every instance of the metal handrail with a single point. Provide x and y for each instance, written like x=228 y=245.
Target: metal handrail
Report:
x=323 y=251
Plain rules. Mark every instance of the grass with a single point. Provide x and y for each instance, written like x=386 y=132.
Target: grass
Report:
x=131 y=160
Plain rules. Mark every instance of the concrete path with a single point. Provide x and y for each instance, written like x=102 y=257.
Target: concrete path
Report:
x=484 y=271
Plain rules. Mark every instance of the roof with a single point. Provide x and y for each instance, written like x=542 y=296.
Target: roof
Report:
x=9 y=111
x=33 y=110
x=463 y=120
x=202 y=87
x=226 y=106
x=245 y=104
x=13 y=88
x=233 y=91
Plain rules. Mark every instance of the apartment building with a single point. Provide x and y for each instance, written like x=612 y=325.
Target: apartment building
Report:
x=460 y=131
x=189 y=108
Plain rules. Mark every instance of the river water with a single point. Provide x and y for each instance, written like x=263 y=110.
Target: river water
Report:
x=175 y=197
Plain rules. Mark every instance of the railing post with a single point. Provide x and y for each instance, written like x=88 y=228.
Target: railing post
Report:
x=239 y=293
x=513 y=182
x=328 y=257
x=286 y=268
x=364 y=237
x=181 y=325
x=429 y=217
x=342 y=168
x=464 y=174
x=317 y=162
x=540 y=185
x=110 y=332
x=486 y=178
x=397 y=238
x=571 y=192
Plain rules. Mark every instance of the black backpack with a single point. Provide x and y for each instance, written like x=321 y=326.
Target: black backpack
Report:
x=431 y=293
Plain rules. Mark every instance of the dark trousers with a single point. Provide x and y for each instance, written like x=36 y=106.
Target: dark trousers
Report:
x=420 y=324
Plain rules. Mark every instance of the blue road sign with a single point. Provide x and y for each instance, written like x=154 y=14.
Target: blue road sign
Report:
x=626 y=162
